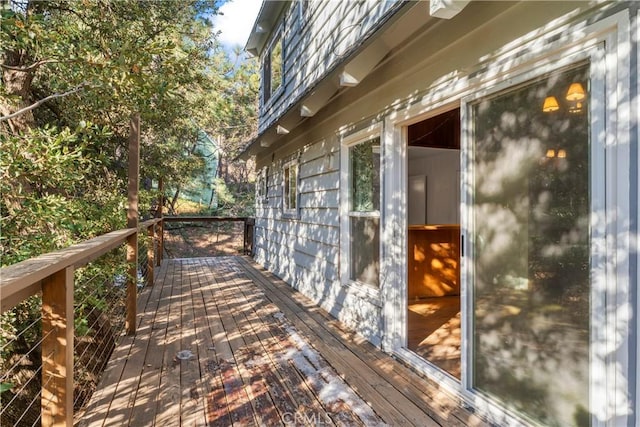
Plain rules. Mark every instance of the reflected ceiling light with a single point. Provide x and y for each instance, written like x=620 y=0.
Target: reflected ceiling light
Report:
x=575 y=92
x=575 y=109
x=550 y=104
x=551 y=153
x=562 y=154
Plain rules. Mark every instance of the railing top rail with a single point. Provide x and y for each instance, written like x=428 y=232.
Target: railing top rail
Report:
x=21 y=280
x=149 y=222
x=195 y=218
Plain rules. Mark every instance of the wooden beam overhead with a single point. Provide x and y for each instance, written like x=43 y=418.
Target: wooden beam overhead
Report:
x=306 y=111
x=281 y=130
x=361 y=65
x=318 y=98
x=347 y=80
x=261 y=27
x=446 y=9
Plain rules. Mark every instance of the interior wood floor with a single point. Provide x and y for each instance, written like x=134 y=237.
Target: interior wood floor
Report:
x=434 y=331
x=221 y=342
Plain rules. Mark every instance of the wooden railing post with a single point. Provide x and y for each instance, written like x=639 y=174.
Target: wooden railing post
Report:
x=57 y=349
x=244 y=237
x=161 y=223
x=132 y=222
x=248 y=235
x=151 y=254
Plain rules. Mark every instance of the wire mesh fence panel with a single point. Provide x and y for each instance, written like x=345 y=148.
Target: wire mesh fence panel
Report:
x=99 y=313
x=21 y=364
x=99 y=319
x=143 y=267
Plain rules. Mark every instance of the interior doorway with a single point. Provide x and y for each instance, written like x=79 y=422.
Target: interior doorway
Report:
x=433 y=218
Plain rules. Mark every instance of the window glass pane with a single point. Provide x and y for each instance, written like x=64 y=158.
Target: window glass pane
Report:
x=365 y=176
x=276 y=65
x=365 y=250
x=287 y=183
x=290 y=198
x=532 y=252
x=292 y=187
x=265 y=184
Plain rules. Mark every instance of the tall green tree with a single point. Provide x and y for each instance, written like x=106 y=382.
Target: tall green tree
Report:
x=73 y=72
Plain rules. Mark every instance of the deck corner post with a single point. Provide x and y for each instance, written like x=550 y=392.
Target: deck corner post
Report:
x=249 y=224
x=132 y=222
x=244 y=236
x=57 y=349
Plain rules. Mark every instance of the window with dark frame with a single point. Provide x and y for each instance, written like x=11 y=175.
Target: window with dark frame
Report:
x=272 y=69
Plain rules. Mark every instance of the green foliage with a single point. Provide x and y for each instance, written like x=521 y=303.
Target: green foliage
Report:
x=56 y=189
x=63 y=165
x=365 y=164
x=233 y=200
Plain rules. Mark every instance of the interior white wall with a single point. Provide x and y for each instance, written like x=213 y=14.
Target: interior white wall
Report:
x=442 y=168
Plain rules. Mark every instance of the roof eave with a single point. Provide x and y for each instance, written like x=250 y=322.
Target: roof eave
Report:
x=265 y=23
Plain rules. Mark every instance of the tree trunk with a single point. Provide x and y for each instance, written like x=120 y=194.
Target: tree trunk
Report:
x=17 y=83
x=175 y=200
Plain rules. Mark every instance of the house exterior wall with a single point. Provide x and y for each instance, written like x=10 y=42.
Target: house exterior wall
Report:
x=284 y=245
x=488 y=45
x=304 y=250
x=316 y=36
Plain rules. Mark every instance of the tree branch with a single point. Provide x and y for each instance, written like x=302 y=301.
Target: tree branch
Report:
x=42 y=101
x=31 y=67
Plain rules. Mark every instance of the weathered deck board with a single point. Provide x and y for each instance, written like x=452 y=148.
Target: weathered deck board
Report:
x=435 y=402
x=262 y=355
x=144 y=409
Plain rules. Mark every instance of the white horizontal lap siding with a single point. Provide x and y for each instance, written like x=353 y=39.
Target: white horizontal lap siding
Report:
x=320 y=149
x=314 y=46
x=316 y=286
x=322 y=216
x=315 y=167
x=362 y=316
x=312 y=232
x=327 y=253
x=316 y=199
x=320 y=182
x=303 y=251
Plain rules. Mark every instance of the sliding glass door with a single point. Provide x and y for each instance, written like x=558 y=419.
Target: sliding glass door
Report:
x=530 y=207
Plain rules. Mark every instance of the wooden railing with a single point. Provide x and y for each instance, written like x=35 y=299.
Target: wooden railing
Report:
x=52 y=276
x=247 y=238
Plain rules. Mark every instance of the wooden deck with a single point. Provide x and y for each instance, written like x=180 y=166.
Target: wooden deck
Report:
x=222 y=342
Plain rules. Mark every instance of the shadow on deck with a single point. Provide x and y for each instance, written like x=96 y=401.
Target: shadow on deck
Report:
x=221 y=342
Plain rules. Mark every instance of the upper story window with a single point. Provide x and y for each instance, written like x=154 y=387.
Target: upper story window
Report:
x=273 y=68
